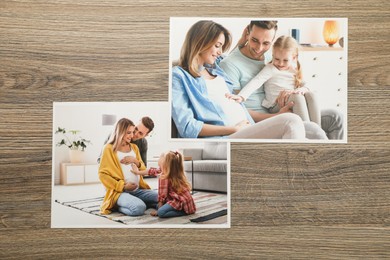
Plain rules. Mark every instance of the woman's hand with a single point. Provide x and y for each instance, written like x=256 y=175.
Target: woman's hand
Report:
x=236 y=98
x=242 y=125
x=130 y=159
x=130 y=186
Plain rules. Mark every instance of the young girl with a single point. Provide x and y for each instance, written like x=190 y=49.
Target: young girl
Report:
x=174 y=197
x=283 y=74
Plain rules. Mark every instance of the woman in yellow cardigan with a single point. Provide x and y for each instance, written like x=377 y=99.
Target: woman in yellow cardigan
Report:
x=125 y=191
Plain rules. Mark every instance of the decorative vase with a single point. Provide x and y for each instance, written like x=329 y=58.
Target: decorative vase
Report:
x=76 y=156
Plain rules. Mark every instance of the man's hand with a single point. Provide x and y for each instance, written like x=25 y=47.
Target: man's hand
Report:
x=287 y=108
x=130 y=186
x=236 y=98
x=283 y=97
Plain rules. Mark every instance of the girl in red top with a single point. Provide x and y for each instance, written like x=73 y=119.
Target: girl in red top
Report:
x=174 y=197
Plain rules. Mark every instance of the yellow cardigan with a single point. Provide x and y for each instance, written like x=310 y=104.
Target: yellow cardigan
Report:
x=111 y=176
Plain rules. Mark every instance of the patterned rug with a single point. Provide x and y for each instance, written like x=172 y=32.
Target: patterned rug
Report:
x=208 y=206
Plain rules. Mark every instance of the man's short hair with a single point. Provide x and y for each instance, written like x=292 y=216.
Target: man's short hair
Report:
x=148 y=123
x=268 y=25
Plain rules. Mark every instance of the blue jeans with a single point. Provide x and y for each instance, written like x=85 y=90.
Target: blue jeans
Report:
x=167 y=211
x=134 y=203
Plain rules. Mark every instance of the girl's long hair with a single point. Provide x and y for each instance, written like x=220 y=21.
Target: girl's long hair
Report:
x=173 y=169
x=120 y=130
x=200 y=37
x=289 y=43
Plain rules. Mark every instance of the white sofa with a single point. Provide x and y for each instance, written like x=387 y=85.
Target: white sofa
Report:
x=210 y=166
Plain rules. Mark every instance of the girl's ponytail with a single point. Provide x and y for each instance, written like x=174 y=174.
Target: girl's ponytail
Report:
x=174 y=169
x=298 y=75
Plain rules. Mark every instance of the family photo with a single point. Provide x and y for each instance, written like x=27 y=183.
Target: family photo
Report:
x=266 y=80
x=114 y=166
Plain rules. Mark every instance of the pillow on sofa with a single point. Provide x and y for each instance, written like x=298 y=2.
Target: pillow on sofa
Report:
x=215 y=151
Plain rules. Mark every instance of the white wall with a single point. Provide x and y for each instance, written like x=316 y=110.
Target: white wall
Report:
x=87 y=117
x=310 y=29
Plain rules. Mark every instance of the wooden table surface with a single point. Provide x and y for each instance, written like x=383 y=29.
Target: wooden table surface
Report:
x=293 y=201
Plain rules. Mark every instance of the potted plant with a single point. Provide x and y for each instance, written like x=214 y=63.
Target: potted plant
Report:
x=74 y=142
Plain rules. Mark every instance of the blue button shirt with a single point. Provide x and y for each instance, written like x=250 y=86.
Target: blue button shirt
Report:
x=191 y=106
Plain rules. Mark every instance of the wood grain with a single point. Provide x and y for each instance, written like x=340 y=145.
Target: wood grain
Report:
x=288 y=201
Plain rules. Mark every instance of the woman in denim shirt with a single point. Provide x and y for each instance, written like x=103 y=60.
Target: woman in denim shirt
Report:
x=199 y=85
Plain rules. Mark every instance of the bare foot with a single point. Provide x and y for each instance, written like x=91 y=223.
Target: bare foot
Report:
x=153 y=213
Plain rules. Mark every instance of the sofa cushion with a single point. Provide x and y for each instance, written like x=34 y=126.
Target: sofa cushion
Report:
x=219 y=166
x=215 y=151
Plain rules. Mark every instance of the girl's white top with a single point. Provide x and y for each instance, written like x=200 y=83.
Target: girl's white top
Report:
x=274 y=81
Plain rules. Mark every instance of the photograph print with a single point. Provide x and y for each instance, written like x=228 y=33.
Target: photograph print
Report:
x=115 y=167
x=259 y=80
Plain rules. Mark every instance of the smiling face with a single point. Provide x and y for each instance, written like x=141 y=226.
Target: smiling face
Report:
x=128 y=135
x=283 y=59
x=259 y=41
x=140 y=131
x=211 y=54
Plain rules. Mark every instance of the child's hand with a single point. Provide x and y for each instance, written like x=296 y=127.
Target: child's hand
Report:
x=236 y=98
x=134 y=169
x=154 y=171
x=153 y=213
x=301 y=91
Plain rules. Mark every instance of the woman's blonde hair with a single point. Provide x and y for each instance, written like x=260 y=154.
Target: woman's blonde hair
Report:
x=173 y=169
x=289 y=43
x=120 y=130
x=200 y=37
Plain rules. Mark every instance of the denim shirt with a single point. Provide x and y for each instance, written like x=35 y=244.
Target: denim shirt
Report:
x=191 y=106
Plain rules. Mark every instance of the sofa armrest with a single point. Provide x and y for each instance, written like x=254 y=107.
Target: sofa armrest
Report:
x=195 y=153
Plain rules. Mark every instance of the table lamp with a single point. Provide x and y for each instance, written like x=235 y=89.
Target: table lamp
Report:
x=331 y=32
